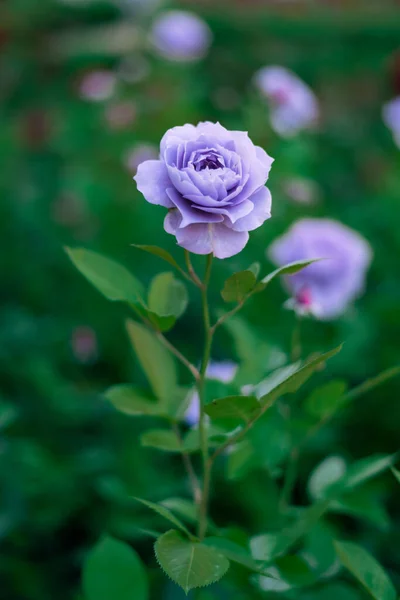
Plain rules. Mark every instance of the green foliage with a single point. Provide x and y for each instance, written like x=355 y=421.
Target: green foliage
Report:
x=366 y=570
x=238 y=285
x=189 y=563
x=155 y=360
x=289 y=269
x=131 y=401
x=110 y=278
x=166 y=514
x=113 y=570
x=327 y=399
x=167 y=296
x=240 y=408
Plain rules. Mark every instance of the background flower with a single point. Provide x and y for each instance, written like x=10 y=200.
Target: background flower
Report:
x=223 y=371
x=212 y=180
x=391 y=118
x=293 y=104
x=327 y=287
x=181 y=35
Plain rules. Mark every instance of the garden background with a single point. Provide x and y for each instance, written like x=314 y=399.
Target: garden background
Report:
x=69 y=461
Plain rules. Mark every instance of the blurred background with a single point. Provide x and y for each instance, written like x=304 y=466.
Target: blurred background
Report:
x=87 y=89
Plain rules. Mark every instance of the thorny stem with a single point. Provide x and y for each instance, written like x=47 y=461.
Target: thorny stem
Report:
x=201 y=389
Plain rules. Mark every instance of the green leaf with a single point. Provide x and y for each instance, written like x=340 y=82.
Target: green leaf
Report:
x=160 y=252
x=167 y=296
x=113 y=570
x=233 y=407
x=166 y=514
x=298 y=378
x=190 y=564
x=234 y=552
x=238 y=285
x=161 y=439
x=255 y=269
x=372 y=383
x=364 y=469
x=156 y=361
x=131 y=401
x=328 y=472
x=289 y=269
x=396 y=473
x=113 y=280
x=327 y=399
x=366 y=570
x=186 y=509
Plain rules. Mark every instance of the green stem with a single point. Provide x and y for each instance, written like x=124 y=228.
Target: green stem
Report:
x=296 y=350
x=289 y=479
x=201 y=389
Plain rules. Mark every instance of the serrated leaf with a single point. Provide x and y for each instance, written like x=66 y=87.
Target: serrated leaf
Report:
x=233 y=407
x=167 y=296
x=113 y=570
x=160 y=252
x=366 y=570
x=131 y=401
x=297 y=378
x=289 y=269
x=161 y=439
x=166 y=514
x=113 y=280
x=238 y=285
x=190 y=564
x=156 y=361
x=327 y=399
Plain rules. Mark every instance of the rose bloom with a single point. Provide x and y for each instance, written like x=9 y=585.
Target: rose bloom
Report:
x=293 y=104
x=180 y=35
x=391 y=118
x=223 y=371
x=326 y=288
x=213 y=182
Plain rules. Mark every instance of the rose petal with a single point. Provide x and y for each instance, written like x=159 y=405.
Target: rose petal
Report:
x=152 y=181
x=190 y=214
x=261 y=212
x=212 y=238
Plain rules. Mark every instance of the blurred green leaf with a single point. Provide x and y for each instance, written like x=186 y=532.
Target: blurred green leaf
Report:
x=131 y=401
x=233 y=407
x=156 y=361
x=364 y=469
x=366 y=570
x=289 y=269
x=295 y=380
x=327 y=399
x=113 y=280
x=167 y=296
x=166 y=514
x=238 y=285
x=328 y=472
x=396 y=473
x=160 y=252
x=161 y=439
x=190 y=564
x=113 y=570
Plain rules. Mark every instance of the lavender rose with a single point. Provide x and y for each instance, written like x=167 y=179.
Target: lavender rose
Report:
x=325 y=288
x=212 y=181
x=293 y=105
x=180 y=35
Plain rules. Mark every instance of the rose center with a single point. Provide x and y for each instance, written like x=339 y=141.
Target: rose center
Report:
x=208 y=161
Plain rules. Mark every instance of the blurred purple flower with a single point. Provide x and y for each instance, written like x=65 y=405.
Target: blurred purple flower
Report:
x=293 y=104
x=391 y=118
x=84 y=344
x=224 y=372
x=212 y=180
x=141 y=153
x=120 y=115
x=97 y=85
x=180 y=35
x=301 y=190
x=325 y=288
